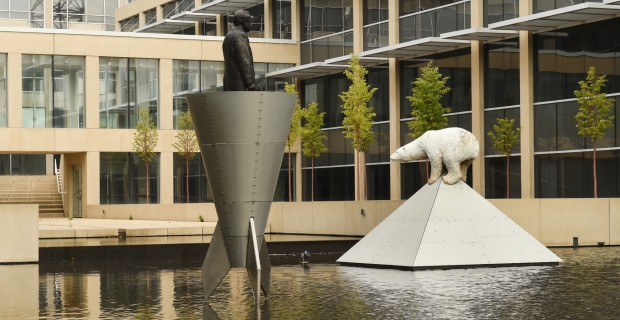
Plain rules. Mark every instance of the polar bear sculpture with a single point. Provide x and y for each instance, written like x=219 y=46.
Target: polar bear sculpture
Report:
x=454 y=148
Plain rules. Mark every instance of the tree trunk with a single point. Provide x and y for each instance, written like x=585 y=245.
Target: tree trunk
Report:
x=365 y=182
x=594 y=168
x=508 y=177
x=312 y=178
x=147 y=180
x=357 y=181
x=289 y=175
x=187 y=178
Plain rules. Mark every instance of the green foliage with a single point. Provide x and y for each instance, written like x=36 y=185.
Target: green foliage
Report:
x=130 y=217
x=311 y=134
x=186 y=144
x=593 y=115
x=201 y=218
x=145 y=137
x=427 y=112
x=506 y=137
x=295 y=130
x=358 y=117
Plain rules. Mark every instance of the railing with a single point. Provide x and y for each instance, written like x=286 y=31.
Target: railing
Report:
x=59 y=181
x=376 y=35
x=327 y=47
x=435 y=21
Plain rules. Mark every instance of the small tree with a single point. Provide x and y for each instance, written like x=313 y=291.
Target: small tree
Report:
x=144 y=142
x=186 y=144
x=358 y=117
x=312 y=136
x=427 y=111
x=504 y=141
x=293 y=133
x=593 y=116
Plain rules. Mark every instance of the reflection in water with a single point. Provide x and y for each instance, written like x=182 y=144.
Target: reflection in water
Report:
x=584 y=286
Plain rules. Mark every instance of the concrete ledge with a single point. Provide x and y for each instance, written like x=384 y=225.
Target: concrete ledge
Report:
x=19 y=233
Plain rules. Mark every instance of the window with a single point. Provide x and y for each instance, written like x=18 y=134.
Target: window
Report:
x=421 y=19
x=330 y=184
x=125 y=87
x=495 y=177
x=501 y=79
x=257 y=27
x=376 y=28
x=173 y=8
x=282 y=21
x=199 y=190
x=89 y=11
x=30 y=11
x=22 y=164
x=546 y=5
x=52 y=91
x=500 y=10
x=129 y=25
x=122 y=178
x=150 y=16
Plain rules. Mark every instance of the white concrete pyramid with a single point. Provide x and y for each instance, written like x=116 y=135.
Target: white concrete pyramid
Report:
x=448 y=226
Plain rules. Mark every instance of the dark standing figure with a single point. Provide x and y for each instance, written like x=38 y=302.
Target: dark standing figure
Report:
x=238 y=60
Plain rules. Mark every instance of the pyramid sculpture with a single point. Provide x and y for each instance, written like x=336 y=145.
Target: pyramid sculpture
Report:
x=448 y=226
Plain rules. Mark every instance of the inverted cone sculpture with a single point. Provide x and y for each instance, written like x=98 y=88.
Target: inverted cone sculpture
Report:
x=242 y=136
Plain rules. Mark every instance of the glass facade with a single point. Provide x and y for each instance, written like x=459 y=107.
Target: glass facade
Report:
x=376 y=27
x=22 y=164
x=422 y=19
x=501 y=74
x=328 y=22
x=546 y=5
x=495 y=177
x=52 y=91
x=88 y=11
x=175 y=7
x=563 y=158
x=281 y=193
x=330 y=184
x=500 y=10
x=129 y=25
x=199 y=190
x=3 y=91
x=570 y=175
x=27 y=10
x=282 y=19
x=185 y=79
x=122 y=178
x=257 y=27
x=125 y=87
x=150 y=17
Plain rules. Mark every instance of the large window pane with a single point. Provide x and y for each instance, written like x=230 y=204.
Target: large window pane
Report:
x=501 y=80
x=52 y=91
x=212 y=75
x=378 y=182
x=320 y=18
x=330 y=184
x=199 y=190
x=185 y=80
x=22 y=164
x=127 y=86
x=282 y=185
x=122 y=178
x=495 y=176
x=282 y=20
x=490 y=120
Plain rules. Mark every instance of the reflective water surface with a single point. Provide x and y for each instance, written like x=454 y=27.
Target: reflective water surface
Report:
x=585 y=286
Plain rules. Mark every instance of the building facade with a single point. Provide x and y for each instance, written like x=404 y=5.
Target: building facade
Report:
x=73 y=87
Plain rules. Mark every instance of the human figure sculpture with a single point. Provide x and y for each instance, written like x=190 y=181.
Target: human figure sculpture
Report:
x=238 y=59
x=454 y=148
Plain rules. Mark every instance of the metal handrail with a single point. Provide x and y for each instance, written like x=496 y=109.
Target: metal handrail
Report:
x=58 y=178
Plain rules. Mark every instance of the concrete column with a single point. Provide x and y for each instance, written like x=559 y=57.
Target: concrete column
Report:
x=141 y=20
x=395 y=174
x=477 y=112
x=295 y=20
x=477 y=13
x=47 y=14
x=268 y=19
x=49 y=164
x=160 y=13
x=166 y=178
x=14 y=90
x=165 y=94
x=220 y=21
x=91 y=100
x=358 y=26
x=90 y=183
x=526 y=72
x=394 y=22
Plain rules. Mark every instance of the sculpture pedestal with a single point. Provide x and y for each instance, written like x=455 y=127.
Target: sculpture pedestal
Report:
x=242 y=136
x=448 y=226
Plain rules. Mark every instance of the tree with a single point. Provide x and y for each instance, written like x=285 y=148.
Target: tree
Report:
x=186 y=144
x=144 y=142
x=504 y=141
x=427 y=111
x=312 y=136
x=358 y=117
x=293 y=133
x=593 y=116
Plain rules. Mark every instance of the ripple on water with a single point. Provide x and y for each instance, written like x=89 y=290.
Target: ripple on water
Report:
x=585 y=286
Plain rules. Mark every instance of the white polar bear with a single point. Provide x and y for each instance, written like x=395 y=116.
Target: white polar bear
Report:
x=455 y=148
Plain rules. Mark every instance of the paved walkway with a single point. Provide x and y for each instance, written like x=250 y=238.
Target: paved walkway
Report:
x=100 y=228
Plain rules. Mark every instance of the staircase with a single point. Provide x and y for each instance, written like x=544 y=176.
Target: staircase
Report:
x=41 y=190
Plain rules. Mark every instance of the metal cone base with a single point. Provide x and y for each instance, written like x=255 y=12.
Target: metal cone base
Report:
x=242 y=136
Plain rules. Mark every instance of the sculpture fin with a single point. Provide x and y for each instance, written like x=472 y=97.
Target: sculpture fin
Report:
x=216 y=264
